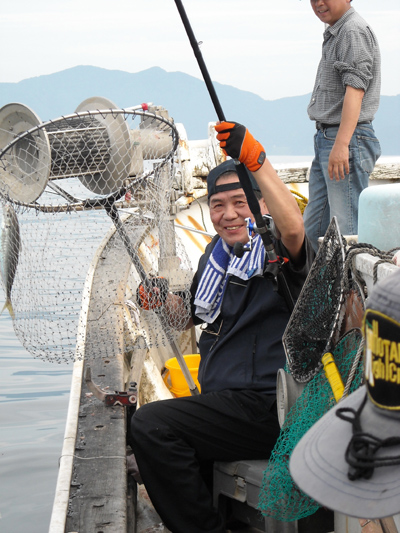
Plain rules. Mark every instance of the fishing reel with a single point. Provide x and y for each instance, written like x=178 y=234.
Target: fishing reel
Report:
x=239 y=249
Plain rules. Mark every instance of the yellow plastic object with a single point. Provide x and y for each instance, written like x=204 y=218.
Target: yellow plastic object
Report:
x=333 y=375
x=174 y=378
x=301 y=200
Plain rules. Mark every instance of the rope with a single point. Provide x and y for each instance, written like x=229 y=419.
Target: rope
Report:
x=363 y=446
x=353 y=369
x=301 y=200
x=349 y=269
x=360 y=248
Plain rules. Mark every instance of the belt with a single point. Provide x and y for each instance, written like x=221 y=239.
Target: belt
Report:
x=322 y=126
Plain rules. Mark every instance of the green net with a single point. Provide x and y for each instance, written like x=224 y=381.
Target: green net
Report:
x=280 y=497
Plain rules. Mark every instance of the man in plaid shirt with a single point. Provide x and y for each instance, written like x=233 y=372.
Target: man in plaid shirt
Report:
x=343 y=104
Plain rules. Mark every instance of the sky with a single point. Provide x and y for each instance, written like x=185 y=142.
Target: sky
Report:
x=268 y=47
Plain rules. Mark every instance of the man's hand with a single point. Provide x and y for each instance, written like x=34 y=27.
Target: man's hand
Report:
x=152 y=293
x=338 y=164
x=370 y=526
x=237 y=142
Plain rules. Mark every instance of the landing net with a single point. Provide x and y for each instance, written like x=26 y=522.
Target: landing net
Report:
x=58 y=181
x=310 y=328
x=327 y=317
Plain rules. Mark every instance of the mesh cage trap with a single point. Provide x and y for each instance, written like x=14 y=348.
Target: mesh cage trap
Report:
x=58 y=182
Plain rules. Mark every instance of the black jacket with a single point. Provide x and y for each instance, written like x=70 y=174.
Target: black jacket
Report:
x=242 y=349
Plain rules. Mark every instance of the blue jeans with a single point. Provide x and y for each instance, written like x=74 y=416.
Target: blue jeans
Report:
x=329 y=198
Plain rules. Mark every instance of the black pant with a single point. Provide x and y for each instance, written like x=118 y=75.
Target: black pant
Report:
x=175 y=440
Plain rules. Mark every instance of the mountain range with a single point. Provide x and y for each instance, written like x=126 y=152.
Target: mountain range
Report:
x=281 y=125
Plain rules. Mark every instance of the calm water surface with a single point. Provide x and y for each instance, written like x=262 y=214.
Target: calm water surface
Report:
x=34 y=399
x=34 y=393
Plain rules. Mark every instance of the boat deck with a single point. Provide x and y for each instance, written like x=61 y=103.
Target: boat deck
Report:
x=101 y=499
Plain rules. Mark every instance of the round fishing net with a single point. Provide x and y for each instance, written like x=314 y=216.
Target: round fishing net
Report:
x=89 y=194
x=280 y=497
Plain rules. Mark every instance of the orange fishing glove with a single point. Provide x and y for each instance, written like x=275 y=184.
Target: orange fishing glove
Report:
x=152 y=293
x=237 y=142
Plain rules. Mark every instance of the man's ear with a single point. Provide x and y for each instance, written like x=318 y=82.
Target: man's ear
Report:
x=263 y=206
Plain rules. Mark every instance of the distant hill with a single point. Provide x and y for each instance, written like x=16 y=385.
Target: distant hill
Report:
x=281 y=125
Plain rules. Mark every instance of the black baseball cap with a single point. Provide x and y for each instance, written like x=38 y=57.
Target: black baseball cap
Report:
x=227 y=166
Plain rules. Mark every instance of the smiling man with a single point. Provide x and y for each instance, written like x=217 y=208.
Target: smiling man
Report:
x=242 y=318
x=229 y=208
x=343 y=105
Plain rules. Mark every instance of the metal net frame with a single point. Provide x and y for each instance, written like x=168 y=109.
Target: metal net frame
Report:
x=82 y=160
x=310 y=329
x=58 y=182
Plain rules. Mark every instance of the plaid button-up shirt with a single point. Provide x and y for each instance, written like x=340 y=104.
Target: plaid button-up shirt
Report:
x=350 y=56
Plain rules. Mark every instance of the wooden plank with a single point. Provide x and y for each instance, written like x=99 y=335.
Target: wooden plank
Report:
x=388 y=525
x=382 y=172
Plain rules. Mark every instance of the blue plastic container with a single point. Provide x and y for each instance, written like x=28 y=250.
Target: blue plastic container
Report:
x=379 y=216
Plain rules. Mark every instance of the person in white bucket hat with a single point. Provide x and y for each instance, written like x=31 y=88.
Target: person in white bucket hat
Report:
x=349 y=461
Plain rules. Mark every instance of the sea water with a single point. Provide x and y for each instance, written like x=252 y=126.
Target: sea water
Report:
x=33 y=405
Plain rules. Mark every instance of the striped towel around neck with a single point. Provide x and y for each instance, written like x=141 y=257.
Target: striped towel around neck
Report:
x=222 y=263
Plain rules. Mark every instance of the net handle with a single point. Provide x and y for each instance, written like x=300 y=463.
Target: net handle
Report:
x=112 y=212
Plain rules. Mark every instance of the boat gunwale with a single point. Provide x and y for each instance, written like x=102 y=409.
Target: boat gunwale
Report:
x=66 y=461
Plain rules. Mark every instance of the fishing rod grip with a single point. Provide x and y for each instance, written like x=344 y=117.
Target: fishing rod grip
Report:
x=333 y=375
x=255 y=209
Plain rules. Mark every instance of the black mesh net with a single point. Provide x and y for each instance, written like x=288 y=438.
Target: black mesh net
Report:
x=312 y=323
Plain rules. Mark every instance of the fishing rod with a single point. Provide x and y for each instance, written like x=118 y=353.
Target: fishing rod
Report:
x=274 y=262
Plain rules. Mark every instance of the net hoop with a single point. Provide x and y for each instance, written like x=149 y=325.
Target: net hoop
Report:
x=118 y=175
